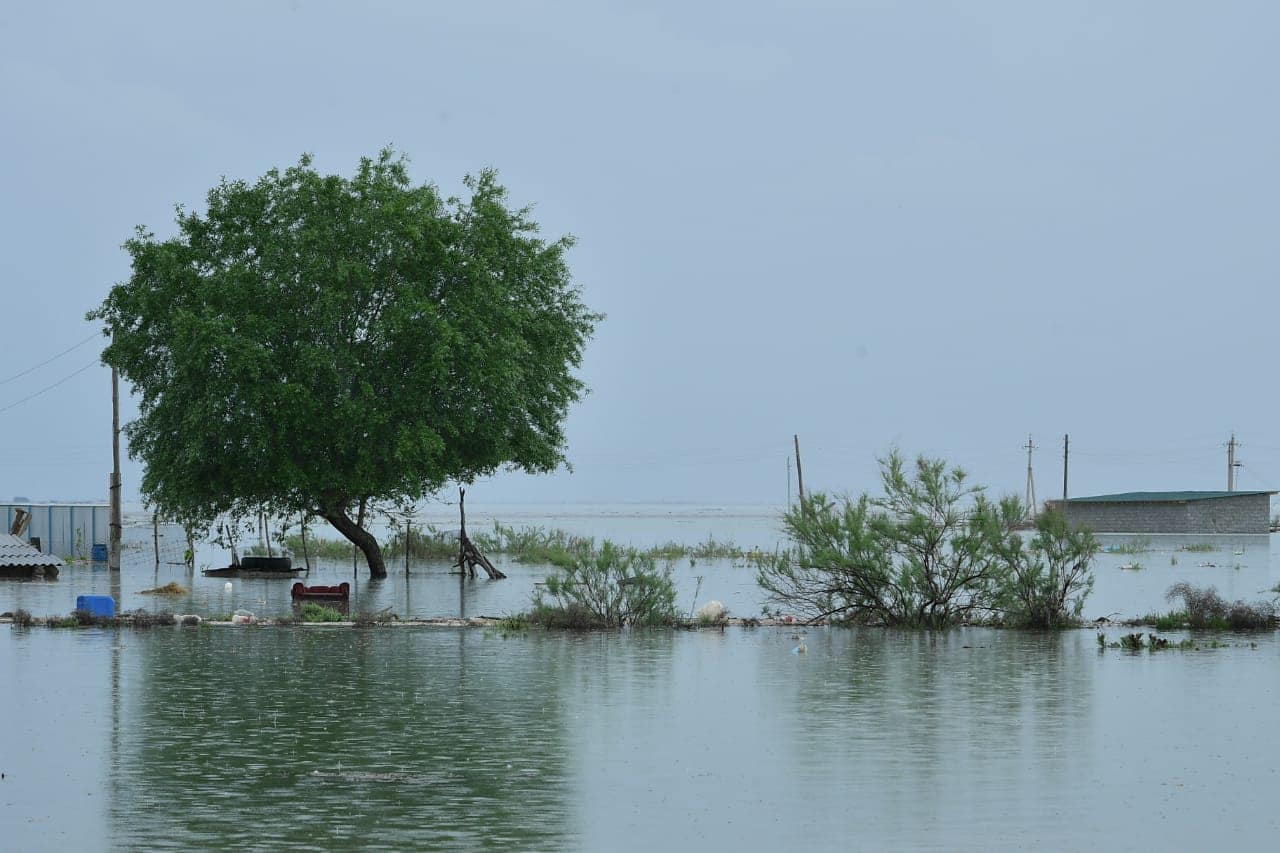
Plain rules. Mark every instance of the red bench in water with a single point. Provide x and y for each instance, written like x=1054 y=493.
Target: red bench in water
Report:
x=341 y=591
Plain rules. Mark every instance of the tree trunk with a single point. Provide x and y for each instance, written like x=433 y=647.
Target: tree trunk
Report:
x=361 y=538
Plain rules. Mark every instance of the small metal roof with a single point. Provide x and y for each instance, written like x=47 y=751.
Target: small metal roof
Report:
x=15 y=552
x=1162 y=497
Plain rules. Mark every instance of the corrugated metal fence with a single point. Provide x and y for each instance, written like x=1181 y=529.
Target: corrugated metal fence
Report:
x=65 y=530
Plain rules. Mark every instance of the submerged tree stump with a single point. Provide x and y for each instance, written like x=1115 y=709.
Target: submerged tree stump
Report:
x=469 y=555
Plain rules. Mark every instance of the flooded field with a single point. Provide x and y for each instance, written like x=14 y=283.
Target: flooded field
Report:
x=463 y=739
x=325 y=738
x=1131 y=579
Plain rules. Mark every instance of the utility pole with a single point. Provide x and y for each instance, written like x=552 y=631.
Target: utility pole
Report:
x=1232 y=464
x=1066 y=458
x=113 y=552
x=799 y=473
x=788 y=482
x=1031 y=482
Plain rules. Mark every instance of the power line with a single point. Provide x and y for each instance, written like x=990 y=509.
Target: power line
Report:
x=49 y=387
x=48 y=360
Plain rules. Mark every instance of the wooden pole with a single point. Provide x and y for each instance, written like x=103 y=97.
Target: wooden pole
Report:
x=799 y=474
x=155 y=537
x=113 y=553
x=1066 y=459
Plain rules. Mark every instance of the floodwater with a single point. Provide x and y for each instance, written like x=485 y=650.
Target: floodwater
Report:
x=1240 y=567
x=332 y=738
x=412 y=738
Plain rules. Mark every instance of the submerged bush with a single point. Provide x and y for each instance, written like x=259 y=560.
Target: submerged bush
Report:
x=1204 y=608
x=932 y=552
x=1050 y=577
x=22 y=619
x=606 y=588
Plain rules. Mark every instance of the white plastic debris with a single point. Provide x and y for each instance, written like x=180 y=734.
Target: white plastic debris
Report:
x=228 y=586
x=243 y=617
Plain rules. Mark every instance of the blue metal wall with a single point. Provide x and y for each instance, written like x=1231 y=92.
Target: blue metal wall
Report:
x=65 y=530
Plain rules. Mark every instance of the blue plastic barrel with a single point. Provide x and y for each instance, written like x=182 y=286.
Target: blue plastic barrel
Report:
x=99 y=553
x=98 y=605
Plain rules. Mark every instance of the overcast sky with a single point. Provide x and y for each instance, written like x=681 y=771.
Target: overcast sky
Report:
x=940 y=226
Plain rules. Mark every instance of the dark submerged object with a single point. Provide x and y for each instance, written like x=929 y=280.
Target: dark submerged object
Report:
x=242 y=572
x=341 y=592
x=267 y=564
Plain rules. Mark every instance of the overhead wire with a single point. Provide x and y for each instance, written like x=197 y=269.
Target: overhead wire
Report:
x=50 y=359
x=47 y=388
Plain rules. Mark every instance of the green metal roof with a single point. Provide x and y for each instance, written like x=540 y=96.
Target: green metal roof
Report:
x=1162 y=497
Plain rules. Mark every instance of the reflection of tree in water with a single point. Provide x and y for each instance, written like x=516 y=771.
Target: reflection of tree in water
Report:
x=399 y=738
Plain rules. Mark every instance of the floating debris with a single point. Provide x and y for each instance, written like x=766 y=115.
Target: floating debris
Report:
x=171 y=588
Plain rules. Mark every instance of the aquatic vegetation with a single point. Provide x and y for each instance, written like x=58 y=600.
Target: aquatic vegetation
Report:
x=1134 y=566
x=1198 y=547
x=606 y=588
x=312 y=612
x=1205 y=609
x=1136 y=545
x=530 y=544
x=932 y=552
x=22 y=619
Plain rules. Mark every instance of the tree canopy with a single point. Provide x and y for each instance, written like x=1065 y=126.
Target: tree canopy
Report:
x=312 y=341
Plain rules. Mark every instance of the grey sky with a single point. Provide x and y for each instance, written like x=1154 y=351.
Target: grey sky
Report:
x=936 y=225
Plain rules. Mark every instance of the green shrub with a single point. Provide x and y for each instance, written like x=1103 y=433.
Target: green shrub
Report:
x=932 y=552
x=606 y=588
x=1205 y=609
x=312 y=612
x=1051 y=576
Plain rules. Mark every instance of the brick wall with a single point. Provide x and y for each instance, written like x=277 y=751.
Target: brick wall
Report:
x=1242 y=514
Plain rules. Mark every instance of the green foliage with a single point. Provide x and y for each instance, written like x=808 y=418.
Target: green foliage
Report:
x=313 y=340
x=1050 y=576
x=932 y=552
x=312 y=612
x=606 y=588
x=1136 y=545
x=22 y=618
x=1198 y=547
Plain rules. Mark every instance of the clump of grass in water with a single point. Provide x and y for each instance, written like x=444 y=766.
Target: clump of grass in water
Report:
x=1137 y=545
x=1198 y=547
x=171 y=588
x=312 y=612
x=22 y=619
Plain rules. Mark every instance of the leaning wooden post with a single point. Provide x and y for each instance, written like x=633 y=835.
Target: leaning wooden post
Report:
x=155 y=536
x=799 y=476
x=306 y=556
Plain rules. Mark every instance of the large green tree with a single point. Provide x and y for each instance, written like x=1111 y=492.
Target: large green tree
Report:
x=313 y=341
